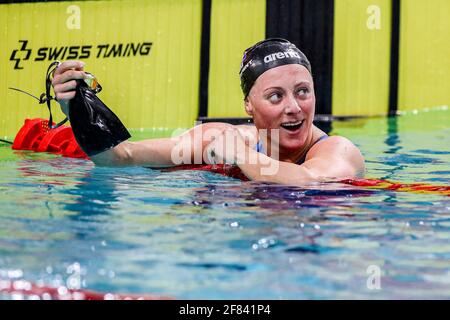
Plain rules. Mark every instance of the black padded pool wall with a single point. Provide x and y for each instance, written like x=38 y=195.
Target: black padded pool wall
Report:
x=309 y=25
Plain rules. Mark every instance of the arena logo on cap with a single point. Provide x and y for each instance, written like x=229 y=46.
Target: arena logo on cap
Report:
x=281 y=55
x=246 y=67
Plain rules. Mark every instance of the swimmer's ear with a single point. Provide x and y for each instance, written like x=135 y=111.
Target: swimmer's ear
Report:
x=248 y=107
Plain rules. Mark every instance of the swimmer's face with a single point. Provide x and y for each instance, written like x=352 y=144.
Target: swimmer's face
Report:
x=281 y=96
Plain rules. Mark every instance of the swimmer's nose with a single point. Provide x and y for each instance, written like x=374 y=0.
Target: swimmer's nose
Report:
x=292 y=105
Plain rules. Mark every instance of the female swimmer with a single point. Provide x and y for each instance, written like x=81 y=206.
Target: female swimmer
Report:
x=283 y=145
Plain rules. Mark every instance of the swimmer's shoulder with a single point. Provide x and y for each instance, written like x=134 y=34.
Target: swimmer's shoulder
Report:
x=338 y=147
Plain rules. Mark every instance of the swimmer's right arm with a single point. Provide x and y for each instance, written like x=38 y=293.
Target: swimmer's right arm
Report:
x=165 y=152
x=187 y=148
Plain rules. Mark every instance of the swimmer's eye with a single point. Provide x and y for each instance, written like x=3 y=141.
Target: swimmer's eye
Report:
x=274 y=97
x=302 y=91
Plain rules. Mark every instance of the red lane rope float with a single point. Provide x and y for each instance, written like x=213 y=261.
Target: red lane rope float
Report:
x=235 y=172
x=405 y=187
x=32 y=290
x=36 y=135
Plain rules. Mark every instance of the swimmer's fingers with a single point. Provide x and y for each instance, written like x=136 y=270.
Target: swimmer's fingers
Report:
x=64 y=92
x=223 y=149
x=64 y=83
x=67 y=76
x=246 y=136
x=65 y=96
x=236 y=135
x=69 y=65
x=64 y=87
x=68 y=70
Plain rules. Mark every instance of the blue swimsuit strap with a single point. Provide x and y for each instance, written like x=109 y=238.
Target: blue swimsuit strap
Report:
x=259 y=147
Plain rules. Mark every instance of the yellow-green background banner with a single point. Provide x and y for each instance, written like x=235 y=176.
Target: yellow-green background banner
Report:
x=361 y=57
x=147 y=55
x=144 y=53
x=235 y=26
x=424 y=64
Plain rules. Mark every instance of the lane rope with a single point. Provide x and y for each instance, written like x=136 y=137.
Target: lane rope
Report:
x=235 y=172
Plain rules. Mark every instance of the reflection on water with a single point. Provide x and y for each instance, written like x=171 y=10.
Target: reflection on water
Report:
x=193 y=234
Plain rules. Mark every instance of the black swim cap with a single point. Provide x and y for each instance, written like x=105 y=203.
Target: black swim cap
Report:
x=265 y=55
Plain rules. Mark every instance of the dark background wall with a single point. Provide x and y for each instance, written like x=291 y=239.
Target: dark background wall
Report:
x=309 y=25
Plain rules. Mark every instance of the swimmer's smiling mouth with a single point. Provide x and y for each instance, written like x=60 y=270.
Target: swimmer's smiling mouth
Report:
x=292 y=125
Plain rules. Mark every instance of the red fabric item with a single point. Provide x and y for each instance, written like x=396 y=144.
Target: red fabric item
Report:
x=35 y=135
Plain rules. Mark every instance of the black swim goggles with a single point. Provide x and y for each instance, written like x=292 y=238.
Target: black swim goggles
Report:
x=46 y=97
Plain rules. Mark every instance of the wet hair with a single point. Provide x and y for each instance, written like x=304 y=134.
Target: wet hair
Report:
x=265 y=55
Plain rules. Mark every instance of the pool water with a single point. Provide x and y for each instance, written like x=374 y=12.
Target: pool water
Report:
x=199 y=235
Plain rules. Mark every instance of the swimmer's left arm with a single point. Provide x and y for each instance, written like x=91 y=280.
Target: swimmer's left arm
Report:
x=333 y=159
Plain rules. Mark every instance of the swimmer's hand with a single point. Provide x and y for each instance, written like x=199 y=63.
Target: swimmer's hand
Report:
x=230 y=147
x=64 y=83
